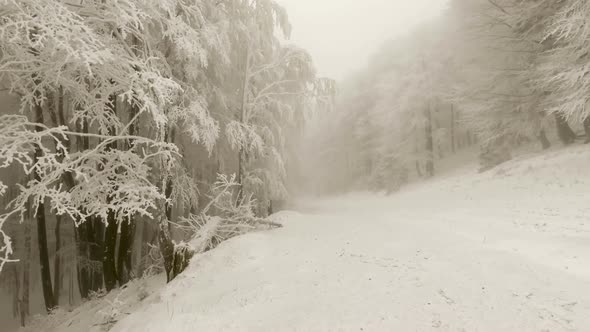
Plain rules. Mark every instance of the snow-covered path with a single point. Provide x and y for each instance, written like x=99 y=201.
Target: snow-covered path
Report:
x=507 y=250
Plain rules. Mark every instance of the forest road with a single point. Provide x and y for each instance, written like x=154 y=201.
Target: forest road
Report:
x=498 y=252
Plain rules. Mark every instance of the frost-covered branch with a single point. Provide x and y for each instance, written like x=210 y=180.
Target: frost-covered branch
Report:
x=229 y=218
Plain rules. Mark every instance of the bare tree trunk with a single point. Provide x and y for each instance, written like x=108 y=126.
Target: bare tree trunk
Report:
x=90 y=236
x=127 y=236
x=83 y=273
x=544 y=140
x=587 y=129
x=83 y=264
x=564 y=131
x=429 y=143
x=95 y=243
x=453 y=146
x=166 y=248
x=71 y=288
x=16 y=291
x=82 y=261
x=57 y=261
x=110 y=237
x=241 y=174
x=56 y=113
x=168 y=208
x=416 y=152
x=418 y=169
x=109 y=252
x=24 y=300
x=141 y=252
x=167 y=182
x=42 y=229
x=40 y=211
x=124 y=266
x=242 y=153
x=439 y=147
x=176 y=260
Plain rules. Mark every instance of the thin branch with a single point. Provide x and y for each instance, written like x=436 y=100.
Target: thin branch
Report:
x=268 y=223
x=493 y=2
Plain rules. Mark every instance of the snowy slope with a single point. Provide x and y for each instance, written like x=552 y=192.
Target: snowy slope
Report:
x=507 y=250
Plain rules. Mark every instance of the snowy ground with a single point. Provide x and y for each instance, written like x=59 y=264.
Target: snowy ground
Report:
x=507 y=250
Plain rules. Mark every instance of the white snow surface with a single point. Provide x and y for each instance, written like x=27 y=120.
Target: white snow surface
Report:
x=506 y=250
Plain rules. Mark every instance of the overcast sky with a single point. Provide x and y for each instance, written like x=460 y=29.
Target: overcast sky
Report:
x=341 y=35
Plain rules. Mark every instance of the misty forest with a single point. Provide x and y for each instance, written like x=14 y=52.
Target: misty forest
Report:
x=186 y=165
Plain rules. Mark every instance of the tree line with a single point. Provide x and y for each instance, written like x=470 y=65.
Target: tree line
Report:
x=499 y=74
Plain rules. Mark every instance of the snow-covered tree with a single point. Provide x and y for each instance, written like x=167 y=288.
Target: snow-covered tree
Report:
x=107 y=63
x=564 y=67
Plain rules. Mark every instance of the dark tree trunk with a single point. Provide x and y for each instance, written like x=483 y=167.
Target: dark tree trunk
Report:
x=91 y=235
x=110 y=237
x=42 y=230
x=587 y=129
x=166 y=248
x=95 y=240
x=110 y=244
x=143 y=231
x=168 y=186
x=242 y=162
x=242 y=116
x=40 y=211
x=83 y=264
x=168 y=193
x=544 y=140
x=416 y=153
x=71 y=288
x=124 y=267
x=127 y=235
x=429 y=143
x=182 y=257
x=418 y=169
x=270 y=209
x=81 y=234
x=57 y=261
x=176 y=259
x=439 y=148
x=16 y=291
x=453 y=146
x=564 y=131
x=241 y=171
x=24 y=300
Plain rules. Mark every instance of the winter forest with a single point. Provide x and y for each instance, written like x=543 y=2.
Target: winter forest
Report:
x=187 y=165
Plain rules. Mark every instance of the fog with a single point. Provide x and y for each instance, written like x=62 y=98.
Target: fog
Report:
x=341 y=35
